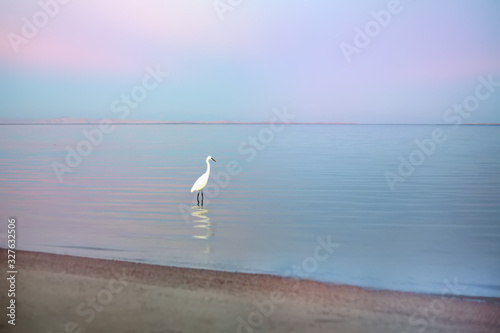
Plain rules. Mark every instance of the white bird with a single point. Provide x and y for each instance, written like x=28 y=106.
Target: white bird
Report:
x=201 y=182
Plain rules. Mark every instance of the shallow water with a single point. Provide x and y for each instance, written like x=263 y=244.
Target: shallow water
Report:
x=129 y=199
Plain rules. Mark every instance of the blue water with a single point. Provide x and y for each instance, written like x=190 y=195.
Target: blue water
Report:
x=129 y=199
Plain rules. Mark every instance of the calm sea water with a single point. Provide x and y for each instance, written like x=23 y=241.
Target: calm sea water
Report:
x=129 y=199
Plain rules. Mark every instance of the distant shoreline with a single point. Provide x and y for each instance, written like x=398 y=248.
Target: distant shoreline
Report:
x=242 y=123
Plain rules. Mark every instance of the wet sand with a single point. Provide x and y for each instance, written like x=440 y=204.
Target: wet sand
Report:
x=56 y=293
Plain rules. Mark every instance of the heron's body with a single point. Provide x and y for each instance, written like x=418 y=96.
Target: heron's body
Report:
x=201 y=182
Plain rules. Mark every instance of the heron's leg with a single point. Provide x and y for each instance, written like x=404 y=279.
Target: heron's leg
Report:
x=202 y=197
x=198 y=198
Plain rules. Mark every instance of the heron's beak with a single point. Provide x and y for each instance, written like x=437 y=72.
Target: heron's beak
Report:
x=213 y=159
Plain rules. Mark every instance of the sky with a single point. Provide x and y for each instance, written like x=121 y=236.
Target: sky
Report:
x=325 y=61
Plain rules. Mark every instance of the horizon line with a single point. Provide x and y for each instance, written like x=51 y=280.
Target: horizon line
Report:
x=65 y=120
x=242 y=123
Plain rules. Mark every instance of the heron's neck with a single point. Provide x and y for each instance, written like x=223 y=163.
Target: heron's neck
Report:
x=208 y=166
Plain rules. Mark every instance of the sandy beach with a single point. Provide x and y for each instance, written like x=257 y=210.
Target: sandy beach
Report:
x=57 y=293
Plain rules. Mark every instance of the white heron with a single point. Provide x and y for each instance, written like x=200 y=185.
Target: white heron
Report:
x=201 y=182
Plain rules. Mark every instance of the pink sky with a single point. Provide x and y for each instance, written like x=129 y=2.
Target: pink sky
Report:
x=260 y=56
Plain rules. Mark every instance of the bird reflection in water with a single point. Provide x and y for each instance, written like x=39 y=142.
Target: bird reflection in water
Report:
x=203 y=222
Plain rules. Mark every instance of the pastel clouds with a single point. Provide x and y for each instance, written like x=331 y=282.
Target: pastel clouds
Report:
x=262 y=55
x=106 y=36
